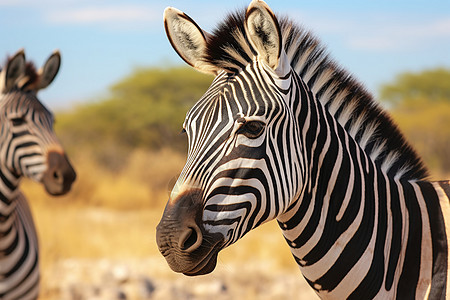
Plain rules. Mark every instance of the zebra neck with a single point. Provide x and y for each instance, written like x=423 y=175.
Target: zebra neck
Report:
x=332 y=162
x=332 y=193
x=10 y=224
x=8 y=192
x=355 y=225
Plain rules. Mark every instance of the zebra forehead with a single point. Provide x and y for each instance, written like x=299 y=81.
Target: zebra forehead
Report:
x=228 y=47
x=22 y=102
x=239 y=95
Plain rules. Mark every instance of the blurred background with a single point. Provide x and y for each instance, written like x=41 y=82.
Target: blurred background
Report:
x=121 y=97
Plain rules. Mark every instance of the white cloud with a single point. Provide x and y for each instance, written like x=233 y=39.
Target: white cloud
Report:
x=34 y=3
x=119 y=14
x=89 y=15
x=399 y=35
x=441 y=27
x=375 y=32
x=106 y=14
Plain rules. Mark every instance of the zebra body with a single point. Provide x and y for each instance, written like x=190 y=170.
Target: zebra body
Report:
x=284 y=133
x=28 y=147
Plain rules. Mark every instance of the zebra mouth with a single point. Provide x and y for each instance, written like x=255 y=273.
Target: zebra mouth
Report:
x=201 y=261
x=206 y=265
x=182 y=238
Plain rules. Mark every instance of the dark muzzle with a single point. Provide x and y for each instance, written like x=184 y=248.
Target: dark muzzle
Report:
x=60 y=175
x=181 y=237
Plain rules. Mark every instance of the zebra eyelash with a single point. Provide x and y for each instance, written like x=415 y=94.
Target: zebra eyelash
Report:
x=252 y=129
x=17 y=121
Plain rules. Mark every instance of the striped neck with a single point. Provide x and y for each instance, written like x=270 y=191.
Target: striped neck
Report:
x=352 y=224
x=332 y=195
x=8 y=192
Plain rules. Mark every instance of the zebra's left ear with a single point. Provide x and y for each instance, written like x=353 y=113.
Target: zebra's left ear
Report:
x=14 y=69
x=49 y=70
x=188 y=39
x=264 y=33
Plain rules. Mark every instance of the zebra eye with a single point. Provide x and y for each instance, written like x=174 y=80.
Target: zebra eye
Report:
x=252 y=129
x=17 y=121
x=183 y=131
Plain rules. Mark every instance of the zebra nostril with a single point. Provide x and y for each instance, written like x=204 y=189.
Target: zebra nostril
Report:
x=190 y=239
x=57 y=176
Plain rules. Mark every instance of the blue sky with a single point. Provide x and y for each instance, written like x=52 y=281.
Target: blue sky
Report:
x=101 y=41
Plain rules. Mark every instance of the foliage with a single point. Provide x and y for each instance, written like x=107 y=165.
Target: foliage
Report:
x=428 y=86
x=144 y=110
x=420 y=104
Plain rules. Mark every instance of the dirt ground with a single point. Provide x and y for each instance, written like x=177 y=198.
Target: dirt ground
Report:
x=150 y=278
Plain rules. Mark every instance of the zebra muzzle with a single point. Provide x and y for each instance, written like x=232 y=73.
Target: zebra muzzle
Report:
x=182 y=239
x=60 y=175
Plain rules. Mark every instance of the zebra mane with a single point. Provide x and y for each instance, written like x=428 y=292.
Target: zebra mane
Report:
x=30 y=78
x=343 y=96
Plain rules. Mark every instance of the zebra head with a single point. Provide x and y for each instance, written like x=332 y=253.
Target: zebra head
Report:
x=243 y=167
x=28 y=145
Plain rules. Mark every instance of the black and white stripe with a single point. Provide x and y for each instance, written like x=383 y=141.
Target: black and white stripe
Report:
x=283 y=133
x=27 y=142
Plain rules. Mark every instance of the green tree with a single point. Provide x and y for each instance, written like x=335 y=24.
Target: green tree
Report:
x=410 y=88
x=144 y=110
x=420 y=104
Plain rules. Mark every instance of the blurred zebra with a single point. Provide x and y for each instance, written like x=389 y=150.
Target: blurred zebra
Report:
x=284 y=133
x=28 y=147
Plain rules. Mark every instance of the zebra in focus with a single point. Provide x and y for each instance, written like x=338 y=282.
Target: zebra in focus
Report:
x=284 y=133
x=28 y=147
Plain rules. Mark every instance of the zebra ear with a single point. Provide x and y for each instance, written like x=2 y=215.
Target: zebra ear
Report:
x=49 y=70
x=187 y=38
x=263 y=32
x=14 y=69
